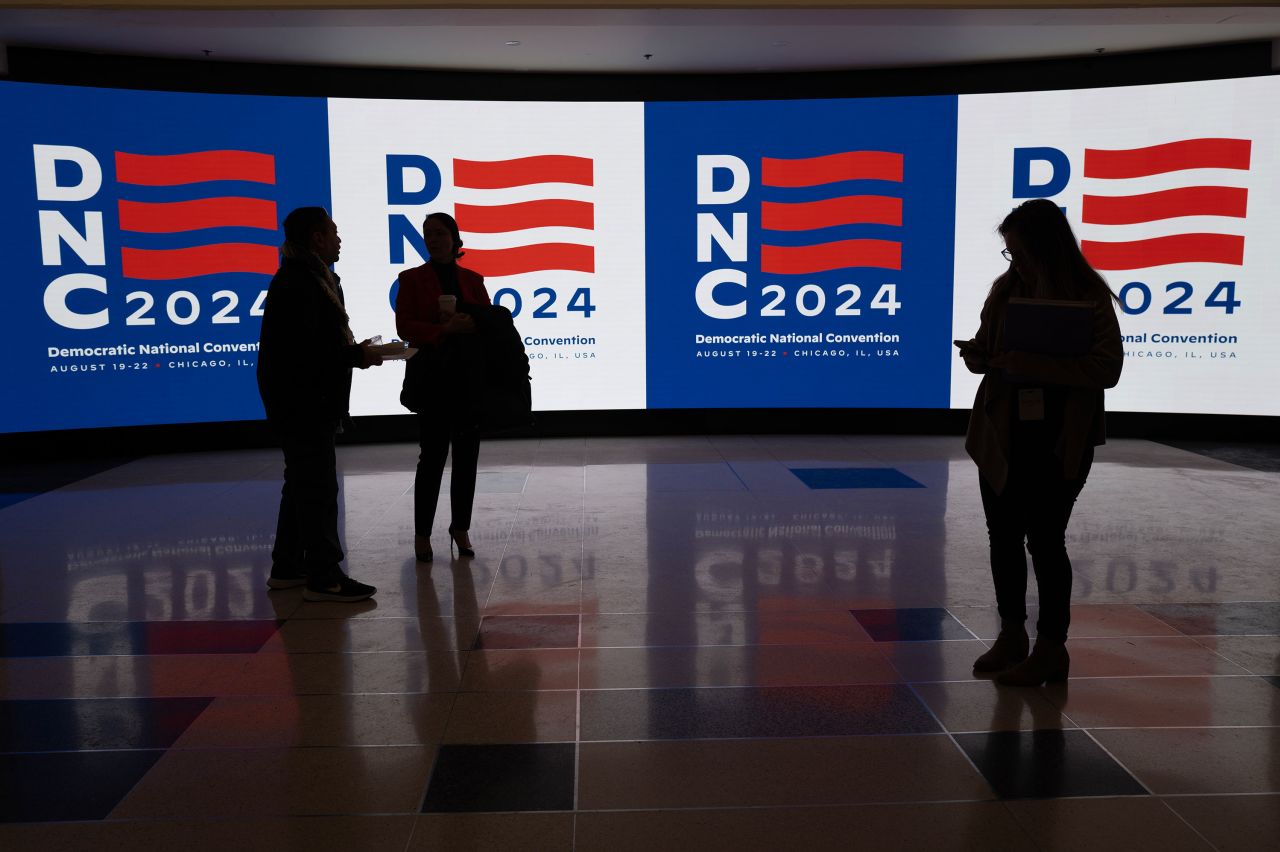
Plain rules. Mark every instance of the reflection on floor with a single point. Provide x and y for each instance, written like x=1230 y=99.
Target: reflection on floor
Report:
x=738 y=643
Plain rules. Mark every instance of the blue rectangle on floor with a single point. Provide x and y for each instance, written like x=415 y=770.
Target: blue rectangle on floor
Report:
x=82 y=724
x=1047 y=765
x=920 y=624
x=68 y=785
x=133 y=638
x=854 y=477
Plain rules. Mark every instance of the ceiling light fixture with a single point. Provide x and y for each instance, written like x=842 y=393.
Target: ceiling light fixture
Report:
x=512 y=43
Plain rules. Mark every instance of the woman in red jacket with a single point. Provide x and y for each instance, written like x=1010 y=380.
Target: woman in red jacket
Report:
x=444 y=418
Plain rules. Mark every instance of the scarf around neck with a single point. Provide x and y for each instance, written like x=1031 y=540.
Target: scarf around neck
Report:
x=330 y=283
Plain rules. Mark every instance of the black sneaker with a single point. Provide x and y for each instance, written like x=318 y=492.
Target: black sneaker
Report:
x=285 y=578
x=342 y=589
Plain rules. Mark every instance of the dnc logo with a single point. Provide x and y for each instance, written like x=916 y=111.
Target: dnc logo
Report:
x=511 y=206
x=808 y=202
x=1176 y=202
x=172 y=214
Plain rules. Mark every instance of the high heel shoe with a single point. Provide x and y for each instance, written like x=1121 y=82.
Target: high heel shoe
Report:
x=1049 y=663
x=422 y=548
x=463 y=541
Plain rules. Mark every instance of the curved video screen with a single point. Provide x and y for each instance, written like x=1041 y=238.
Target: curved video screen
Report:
x=662 y=255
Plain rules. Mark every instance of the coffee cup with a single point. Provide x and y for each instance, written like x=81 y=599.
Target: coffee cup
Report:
x=448 y=307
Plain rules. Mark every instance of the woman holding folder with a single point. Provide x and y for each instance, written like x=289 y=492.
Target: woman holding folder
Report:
x=1047 y=346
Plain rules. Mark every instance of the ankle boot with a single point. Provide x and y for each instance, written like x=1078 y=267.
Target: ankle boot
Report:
x=1010 y=648
x=1048 y=663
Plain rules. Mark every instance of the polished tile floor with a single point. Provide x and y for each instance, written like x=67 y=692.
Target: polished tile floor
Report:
x=698 y=643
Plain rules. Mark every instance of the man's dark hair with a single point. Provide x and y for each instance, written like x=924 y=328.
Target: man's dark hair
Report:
x=302 y=223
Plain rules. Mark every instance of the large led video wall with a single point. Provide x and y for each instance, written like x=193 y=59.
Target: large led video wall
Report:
x=737 y=254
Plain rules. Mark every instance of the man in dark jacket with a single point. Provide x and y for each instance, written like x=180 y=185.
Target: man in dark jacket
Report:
x=305 y=357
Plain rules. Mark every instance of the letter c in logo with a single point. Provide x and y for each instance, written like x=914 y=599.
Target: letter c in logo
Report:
x=55 y=300
x=704 y=294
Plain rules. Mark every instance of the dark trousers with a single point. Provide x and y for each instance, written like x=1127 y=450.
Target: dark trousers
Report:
x=1034 y=509
x=434 y=438
x=307 y=531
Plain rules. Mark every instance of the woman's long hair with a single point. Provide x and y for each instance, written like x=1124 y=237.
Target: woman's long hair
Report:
x=452 y=224
x=1050 y=249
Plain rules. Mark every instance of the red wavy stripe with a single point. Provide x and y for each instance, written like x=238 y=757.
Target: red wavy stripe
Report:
x=814 y=171
x=1168 y=204
x=171 y=264
x=522 y=171
x=845 y=254
x=1169 y=157
x=499 y=218
x=177 y=169
x=535 y=258
x=175 y=216
x=1161 y=251
x=850 y=210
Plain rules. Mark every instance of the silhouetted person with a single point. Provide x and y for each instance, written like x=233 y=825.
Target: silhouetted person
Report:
x=1035 y=422
x=305 y=357
x=441 y=379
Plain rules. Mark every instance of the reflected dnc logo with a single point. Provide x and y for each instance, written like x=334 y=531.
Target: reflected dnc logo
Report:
x=1152 y=206
x=516 y=216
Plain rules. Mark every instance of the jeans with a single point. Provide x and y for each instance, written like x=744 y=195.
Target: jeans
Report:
x=1033 y=509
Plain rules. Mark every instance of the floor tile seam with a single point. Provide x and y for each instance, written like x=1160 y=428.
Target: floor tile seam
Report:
x=833 y=644
x=251 y=747
x=1154 y=728
x=1026 y=730
x=744 y=686
x=259 y=652
x=941 y=733
x=727 y=686
x=1076 y=678
x=6 y=700
x=173 y=657
x=1252 y=794
x=113 y=750
x=966 y=627
x=1118 y=762
x=950 y=735
x=827 y=805
x=162 y=819
x=296 y=694
x=1246 y=675
x=349 y=653
x=1198 y=636
x=81 y=623
x=256 y=749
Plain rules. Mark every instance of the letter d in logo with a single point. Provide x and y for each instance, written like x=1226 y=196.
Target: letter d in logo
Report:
x=1059 y=172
